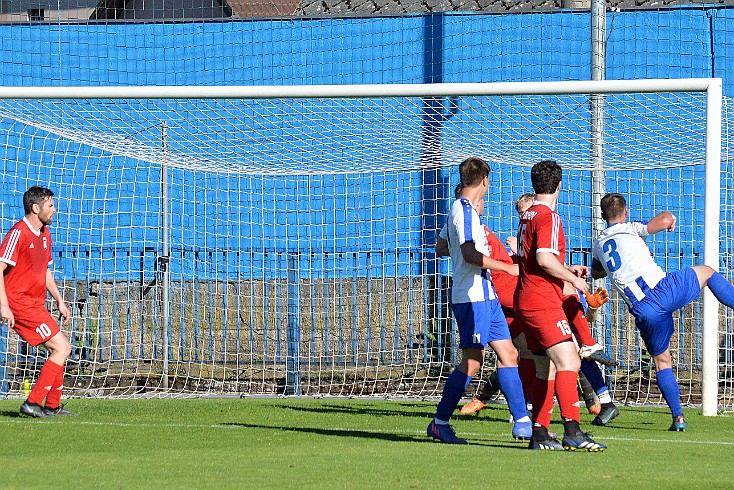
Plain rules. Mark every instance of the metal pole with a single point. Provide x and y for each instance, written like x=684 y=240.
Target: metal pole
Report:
x=596 y=107
x=164 y=259
x=712 y=205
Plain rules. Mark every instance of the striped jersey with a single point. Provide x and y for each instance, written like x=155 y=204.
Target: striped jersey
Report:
x=622 y=251
x=28 y=253
x=540 y=230
x=470 y=283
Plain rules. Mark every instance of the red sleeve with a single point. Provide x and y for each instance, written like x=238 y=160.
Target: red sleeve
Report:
x=10 y=246
x=549 y=232
x=499 y=252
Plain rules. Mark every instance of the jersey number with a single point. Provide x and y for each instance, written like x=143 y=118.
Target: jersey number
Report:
x=614 y=261
x=565 y=328
x=43 y=331
x=520 y=234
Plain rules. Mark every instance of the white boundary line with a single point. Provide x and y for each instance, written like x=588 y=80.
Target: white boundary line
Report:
x=236 y=426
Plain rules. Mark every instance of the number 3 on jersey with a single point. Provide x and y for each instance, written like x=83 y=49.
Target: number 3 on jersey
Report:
x=614 y=261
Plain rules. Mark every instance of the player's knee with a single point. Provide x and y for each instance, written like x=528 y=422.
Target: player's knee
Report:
x=704 y=273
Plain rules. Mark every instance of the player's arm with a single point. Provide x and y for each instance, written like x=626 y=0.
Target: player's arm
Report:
x=53 y=289
x=663 y=221
x=6 y=315
x=442 y=247
x=572 y=274
x=474 y=257
x=597 y=269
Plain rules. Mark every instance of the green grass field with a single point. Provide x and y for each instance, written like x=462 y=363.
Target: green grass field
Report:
x=340 y=443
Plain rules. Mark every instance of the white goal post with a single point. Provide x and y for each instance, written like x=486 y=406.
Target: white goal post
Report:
x=325 y=141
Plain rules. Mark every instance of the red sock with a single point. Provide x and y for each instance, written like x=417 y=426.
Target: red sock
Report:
x=49 y=372
x=53 y=399
x=568 y=395
x=526 y=369
x=575 y=314
x=542 y=398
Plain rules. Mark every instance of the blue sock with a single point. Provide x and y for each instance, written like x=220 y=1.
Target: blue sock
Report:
x=722 y=289
x=453 y=390
x=511 y=386
x=594 y=376
x=671 y=391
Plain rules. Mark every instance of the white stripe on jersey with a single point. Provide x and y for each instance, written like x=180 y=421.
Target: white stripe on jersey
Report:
x=10 y=249
x=556 y=228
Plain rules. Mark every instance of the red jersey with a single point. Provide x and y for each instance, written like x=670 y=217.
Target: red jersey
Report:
x=540 y=230
x=504 y=283
x=28 y=252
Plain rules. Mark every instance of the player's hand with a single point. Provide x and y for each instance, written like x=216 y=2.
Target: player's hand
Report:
x=7 y=316
x=64 y=312
x=579 y=270
x=672 y=225
x=511 y=243
x=581 y=284
x=597 y=299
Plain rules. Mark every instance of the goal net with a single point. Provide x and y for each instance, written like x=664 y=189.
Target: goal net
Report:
x=279 y=240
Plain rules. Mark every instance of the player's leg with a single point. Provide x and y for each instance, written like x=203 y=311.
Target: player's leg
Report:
x=670 y=389
x=608 y=410
x=565 y=357
x=37 y=327
x=589 y=349
x=722 y=289
x=488 y=389
x=525 y=362
x=511 y=386
x=542 y=401
x=471 y=319
x=60 y=349
x=453 y=390
x=587 y=393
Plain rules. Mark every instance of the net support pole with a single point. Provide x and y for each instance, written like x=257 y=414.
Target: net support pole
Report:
x=164 y=260
x=293 y=330
x=710 y=354
x=597 y=108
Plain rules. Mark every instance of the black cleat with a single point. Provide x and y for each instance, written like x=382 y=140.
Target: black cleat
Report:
x=32 y=410
x=581 y=441
x=59 y=411
x=543 y=441
x=608 y=412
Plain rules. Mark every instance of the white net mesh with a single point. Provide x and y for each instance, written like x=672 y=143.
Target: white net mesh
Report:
x=297 y=254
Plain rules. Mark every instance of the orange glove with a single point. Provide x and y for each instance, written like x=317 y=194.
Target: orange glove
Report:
x=597 y=299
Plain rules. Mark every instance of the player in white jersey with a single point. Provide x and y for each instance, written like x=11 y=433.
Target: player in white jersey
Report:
x=651 y=294
x=476 y=308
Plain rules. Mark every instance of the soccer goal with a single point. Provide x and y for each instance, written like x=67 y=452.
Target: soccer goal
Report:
x=279 y=240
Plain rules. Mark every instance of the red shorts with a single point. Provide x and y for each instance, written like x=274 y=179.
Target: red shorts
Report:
x=545 y=328
x=35 y=326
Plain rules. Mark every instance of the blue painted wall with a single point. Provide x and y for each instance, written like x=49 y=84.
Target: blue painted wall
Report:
x=112 y=206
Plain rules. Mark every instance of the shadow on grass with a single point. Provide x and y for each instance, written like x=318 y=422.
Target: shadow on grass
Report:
x=360 y=408
x=12 y=414
x=385 y=436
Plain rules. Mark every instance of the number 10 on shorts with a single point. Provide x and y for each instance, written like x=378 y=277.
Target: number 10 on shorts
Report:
x=564 y=326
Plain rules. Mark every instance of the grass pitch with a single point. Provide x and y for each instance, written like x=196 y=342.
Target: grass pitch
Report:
x=341 y=443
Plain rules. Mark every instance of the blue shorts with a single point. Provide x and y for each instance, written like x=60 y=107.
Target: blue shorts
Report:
x=480 y=323
x=654 y=314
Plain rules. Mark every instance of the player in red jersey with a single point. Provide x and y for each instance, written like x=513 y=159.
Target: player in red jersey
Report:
x=25 y=255
x=539 y=304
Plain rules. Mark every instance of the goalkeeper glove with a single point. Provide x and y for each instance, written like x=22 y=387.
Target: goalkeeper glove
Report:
x=597 y=299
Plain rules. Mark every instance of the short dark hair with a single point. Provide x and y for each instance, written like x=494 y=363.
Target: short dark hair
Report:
x=472 y=171
x=545 y=176
x=457 y=190
x=612 y=206
x=35 y=195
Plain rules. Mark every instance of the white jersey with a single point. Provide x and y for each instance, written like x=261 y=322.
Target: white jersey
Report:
x=470 y=283
x=623 y=253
